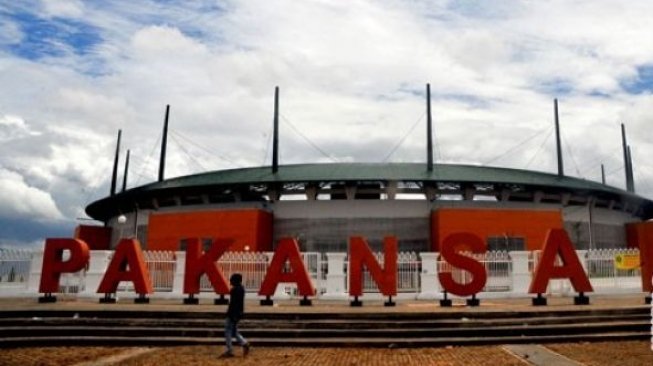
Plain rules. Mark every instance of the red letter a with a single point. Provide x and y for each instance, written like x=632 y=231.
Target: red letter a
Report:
x=198 y=264
x=557 y=242
x=54 y=266
x=360 y=254
x=288 y=250
x=127 y=264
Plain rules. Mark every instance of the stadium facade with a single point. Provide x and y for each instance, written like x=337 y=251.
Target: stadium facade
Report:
x=323 y=205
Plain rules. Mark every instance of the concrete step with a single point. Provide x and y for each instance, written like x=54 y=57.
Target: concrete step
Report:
x=146 y=313
x=321 y=323
x=388 y=342
x=336 y=329
x=271 y=332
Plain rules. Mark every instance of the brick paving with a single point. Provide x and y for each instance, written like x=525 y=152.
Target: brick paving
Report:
x=207 y=355
x=204 y=355
x=54 y=356
x=627 y=353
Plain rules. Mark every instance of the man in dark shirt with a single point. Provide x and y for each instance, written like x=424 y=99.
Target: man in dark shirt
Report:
x=235 y=312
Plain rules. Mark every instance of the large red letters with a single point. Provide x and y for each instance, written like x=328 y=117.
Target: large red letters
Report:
x=54 y=266
x=558 y=243
x=127 y=264
x=198 y=264
x=450 y=252
x=287 y=266
x=360 y=255
x=288 y=250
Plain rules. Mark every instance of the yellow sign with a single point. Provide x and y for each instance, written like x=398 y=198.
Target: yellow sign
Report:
x=626 y=261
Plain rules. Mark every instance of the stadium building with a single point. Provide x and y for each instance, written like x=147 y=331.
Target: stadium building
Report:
x=322 y=205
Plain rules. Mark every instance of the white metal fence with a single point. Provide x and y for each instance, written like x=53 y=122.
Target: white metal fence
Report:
x=603 y=273
x=15 y=266
x=251 y=265
x=409 y=268
x=599 y=264
x=162 y=266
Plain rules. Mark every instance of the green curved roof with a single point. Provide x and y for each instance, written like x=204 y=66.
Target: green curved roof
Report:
x=344 y=172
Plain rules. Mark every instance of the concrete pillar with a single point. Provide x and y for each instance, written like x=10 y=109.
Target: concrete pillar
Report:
x=521 y=276
x=336 y=277
x=311 y=192
x=582 y=258
x=180 y=269
x=35 y=267
x=391 y=189
x=431 y=193
x=98 y=264
x=350 y=192
x=430 y=288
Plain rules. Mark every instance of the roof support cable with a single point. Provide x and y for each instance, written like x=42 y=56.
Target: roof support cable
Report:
x=519 y=144
x=573 y=160
x=401 y=141
x=540 y=148
x=268 y=144
x=296 y=130
x=147 y=160
x=598 y=160
x=190 y=157
x=617 y=170
x=205 y=149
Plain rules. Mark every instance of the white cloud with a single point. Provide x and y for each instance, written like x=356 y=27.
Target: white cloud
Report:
x=14 y=127
x=19 y=200
x=63 y=8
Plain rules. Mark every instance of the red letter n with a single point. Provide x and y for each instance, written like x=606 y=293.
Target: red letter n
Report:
x=361 y=255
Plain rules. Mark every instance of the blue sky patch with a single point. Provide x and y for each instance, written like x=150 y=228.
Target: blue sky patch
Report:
x=643 y=83
x=555 y=88
x=483 y=9
x=55 y=37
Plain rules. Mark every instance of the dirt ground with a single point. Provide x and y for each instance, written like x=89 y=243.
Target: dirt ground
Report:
x=602 y=353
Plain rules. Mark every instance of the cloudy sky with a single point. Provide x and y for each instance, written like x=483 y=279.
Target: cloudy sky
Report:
x=352 y=76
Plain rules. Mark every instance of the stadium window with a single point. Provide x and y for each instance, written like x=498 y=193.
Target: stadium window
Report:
x=206 y=244
x=506 y=243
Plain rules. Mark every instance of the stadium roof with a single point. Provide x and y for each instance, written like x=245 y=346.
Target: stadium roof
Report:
x=456 y=176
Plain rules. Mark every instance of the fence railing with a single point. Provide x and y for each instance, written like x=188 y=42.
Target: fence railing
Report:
x=15 y=266
x=409 y=268
x=600 y=267
x=162 y=266
x=603 y=272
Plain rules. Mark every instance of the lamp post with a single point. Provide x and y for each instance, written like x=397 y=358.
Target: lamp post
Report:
x=122 y=219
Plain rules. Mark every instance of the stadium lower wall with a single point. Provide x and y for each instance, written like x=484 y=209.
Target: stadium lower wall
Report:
x=326 y=225
x=530 y=225
x=250 y=229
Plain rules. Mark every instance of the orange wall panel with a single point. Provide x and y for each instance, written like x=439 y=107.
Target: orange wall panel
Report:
x=97 y=237
x=247 y=227
x=532 y=225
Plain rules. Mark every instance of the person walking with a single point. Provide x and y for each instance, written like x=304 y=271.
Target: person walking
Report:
x=235 y=313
